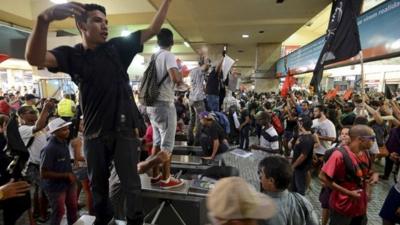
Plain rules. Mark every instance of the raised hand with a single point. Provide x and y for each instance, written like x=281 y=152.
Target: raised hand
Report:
x=14 y=189
x=63 y=11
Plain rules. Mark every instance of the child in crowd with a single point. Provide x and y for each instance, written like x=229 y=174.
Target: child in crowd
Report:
x=58 y=180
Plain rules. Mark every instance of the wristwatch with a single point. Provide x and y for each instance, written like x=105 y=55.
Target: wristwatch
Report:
x=1 y=195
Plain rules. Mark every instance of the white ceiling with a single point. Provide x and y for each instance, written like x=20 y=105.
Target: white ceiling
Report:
x=206 y=22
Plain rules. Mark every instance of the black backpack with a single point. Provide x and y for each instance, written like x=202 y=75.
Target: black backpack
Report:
x=350 y=168
x=16 y=149
x=149 y=86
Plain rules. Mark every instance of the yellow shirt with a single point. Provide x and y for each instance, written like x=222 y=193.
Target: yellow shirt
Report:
x=64 y=108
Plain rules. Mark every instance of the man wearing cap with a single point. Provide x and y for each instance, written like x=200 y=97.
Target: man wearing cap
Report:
x=235 y=202
x=35 y=138
x=269 y=137
x=58 y=180
x=30 y=100
x=213 y=138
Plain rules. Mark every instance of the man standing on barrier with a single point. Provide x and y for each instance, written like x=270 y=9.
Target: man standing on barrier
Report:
x=99 y=68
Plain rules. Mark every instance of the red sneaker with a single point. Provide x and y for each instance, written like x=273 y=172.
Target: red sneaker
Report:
x=155 y=180
x=170 y=183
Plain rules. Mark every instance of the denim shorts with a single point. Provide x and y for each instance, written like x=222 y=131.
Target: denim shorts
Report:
x=162 y=116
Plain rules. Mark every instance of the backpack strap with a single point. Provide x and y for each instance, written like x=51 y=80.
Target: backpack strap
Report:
x=350 y=168
x=30 y=142
x=153 y=58
x=163 y=79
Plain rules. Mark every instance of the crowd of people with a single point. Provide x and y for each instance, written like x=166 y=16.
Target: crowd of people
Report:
x=91 y=145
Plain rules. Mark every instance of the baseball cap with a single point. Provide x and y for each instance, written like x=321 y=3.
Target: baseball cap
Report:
x=233 y=198
x=29 y=97
x=204 y=115
x=57 y=124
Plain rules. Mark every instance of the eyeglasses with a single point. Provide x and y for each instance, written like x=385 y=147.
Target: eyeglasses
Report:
x=369 y=138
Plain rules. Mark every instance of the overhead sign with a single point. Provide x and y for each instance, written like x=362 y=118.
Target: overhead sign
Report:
x=379 y=34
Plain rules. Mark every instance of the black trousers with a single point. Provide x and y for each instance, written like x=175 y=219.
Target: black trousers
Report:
x=123 y=150
x=13 y=208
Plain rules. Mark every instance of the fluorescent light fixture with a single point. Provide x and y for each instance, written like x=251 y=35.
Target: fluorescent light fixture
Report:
x=186 y=44
x=59 y=1
x=245 y=36
x=125 y=33
x=156 y=49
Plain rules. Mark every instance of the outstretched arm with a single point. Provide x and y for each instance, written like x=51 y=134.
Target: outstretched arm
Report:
x=158 y=20
x=36 y=49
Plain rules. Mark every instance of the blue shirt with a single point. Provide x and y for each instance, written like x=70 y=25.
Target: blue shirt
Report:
x=55 y=157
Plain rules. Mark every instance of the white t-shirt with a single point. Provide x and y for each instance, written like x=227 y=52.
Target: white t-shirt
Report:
x=274 y=145
x=39 y=142
x=165 y=61
x=325 y=128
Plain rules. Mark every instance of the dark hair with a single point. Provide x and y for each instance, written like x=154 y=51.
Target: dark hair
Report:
x=360 y=120
x=165 y=38
x=89 y=7
x=267 y=105
x=321 y=108
x=279 y=169
x=3 y=118
x=306 y=122
x=305 y=102
x=203 y=60
x=24 y=109
x=349 y=104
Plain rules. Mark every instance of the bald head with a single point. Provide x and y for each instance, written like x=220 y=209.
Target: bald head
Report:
x=360 y=131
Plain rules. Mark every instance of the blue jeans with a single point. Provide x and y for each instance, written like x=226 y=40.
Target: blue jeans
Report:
x=99 y=152
x=57 y=201
x=213 y=102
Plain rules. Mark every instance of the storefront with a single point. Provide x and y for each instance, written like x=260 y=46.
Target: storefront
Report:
x=380 y=42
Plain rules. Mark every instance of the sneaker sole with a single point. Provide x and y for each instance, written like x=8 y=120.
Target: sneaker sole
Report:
x=172 y=187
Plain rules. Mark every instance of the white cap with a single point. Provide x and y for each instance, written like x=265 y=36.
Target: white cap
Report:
x=233 y=198
x=57 y=124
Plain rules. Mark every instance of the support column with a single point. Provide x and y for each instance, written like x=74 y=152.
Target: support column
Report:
x=266 y=55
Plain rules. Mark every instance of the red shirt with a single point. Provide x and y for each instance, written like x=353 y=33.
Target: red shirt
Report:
x=335 y=169
x=4 y=107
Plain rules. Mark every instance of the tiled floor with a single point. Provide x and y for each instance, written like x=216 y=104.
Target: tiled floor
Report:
x=248 y=168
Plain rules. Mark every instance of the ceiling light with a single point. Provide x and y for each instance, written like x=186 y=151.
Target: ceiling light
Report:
x=59 y=1
x=237 y=60
x=245 y=36
x=125 y=33
x=186 y=44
